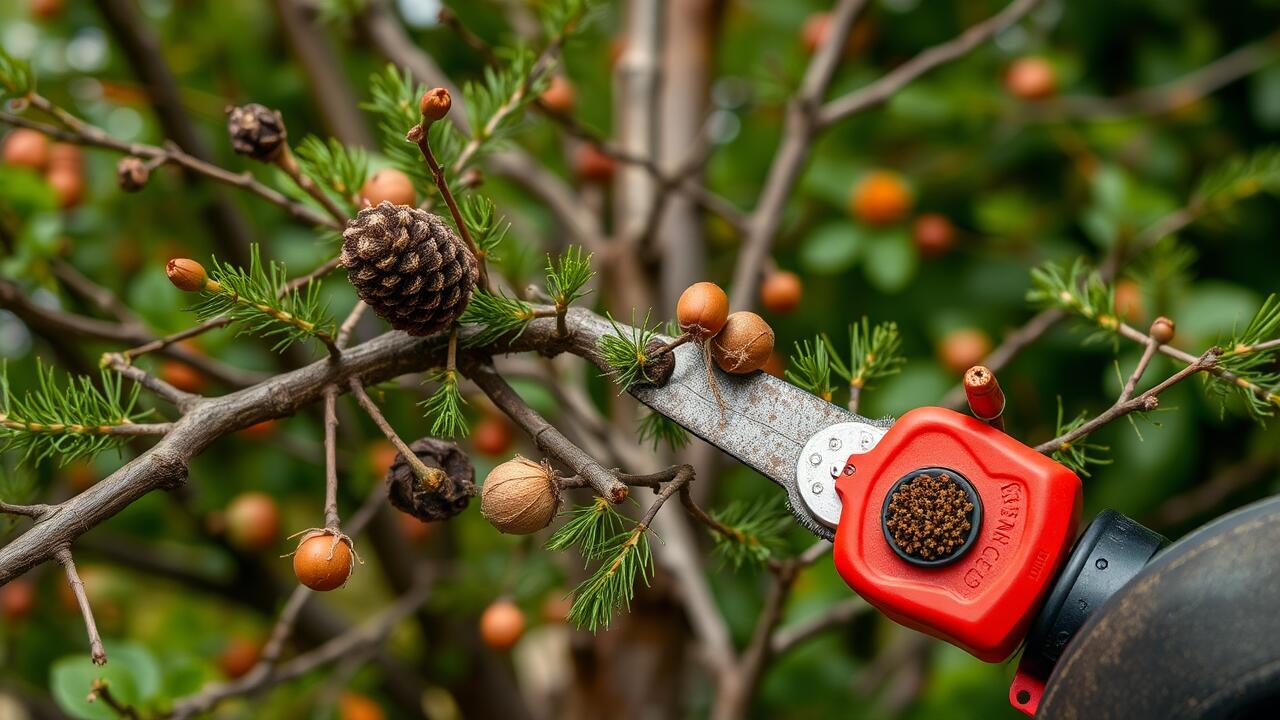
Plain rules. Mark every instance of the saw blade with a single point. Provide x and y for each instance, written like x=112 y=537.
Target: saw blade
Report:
x=764 y=422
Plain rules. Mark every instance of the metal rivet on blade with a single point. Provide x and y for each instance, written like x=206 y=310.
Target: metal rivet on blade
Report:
x=816 y=488
x=815 y=459
x=834 y=443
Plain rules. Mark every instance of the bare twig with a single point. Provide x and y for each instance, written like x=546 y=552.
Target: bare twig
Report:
x=101 y=690
x=841 y=613
x=419 y=134
x=1167 y=97
x=801 y=125
x=1145 y=402
x=545 y=436
x=423 y=473
x=89 y=135
x=96 y=651
x=120 y=363
x=331 y=519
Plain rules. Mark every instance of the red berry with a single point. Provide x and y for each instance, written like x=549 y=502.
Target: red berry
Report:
x=880 y=198
x=961 y=349
x=780 y=292
x=253 y=521
x=492 y=436
x=1031 y=78
x=26 y=148
x=934 y=234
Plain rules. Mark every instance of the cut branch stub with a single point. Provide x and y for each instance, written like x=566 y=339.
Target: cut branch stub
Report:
x=659 y=367
x=451 y=495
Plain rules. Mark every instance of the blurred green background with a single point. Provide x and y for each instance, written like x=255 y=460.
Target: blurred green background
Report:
x=1020 y=186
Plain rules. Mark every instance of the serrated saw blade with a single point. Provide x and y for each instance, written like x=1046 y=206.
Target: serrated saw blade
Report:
x=765 y=423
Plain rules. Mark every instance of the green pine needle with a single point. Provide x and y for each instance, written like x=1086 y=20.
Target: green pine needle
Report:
x=810 y=367
x=499 y=316
x=1077 y=289
x=1077 y=455
x=16 y=78
x=756 y=532
x=624 y=352
x=874 y=353
x=335 y=167
x=255 y=299
x=67 y=421
x=1255 y=367
x=567 y=275
x=444 y=407
x=658 y=429
x=1240 y=178
x=589 y=528
x=612 y=586
x=488 y=229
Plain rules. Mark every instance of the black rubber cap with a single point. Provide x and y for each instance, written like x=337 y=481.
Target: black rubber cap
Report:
x=1110 y=552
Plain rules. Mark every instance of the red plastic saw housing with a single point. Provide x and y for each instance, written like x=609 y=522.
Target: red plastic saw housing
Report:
x=984 y=600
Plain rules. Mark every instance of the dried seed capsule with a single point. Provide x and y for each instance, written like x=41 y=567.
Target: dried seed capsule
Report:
x=256 y=131
x=743 y=344
x=519 y=496
x=702 y=309
x=132 y=173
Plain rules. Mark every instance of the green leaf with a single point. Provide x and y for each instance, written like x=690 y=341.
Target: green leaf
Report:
x=133 y=675
x=891 y=261
x=16 y=78
x=832 y=248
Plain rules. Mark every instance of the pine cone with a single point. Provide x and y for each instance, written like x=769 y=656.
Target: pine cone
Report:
x=409 y=266
x=256 y=131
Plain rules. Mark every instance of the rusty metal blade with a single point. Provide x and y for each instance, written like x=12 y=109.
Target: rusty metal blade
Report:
x=764 y=424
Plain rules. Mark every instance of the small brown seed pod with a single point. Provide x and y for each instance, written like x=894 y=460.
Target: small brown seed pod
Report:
x=456 y=481
x=1162 y=330
x=132 y=173
x=435 y=104
x=256 y=131
x=702 y=309
x=186 y=274
x=519 y=496
x=743 y=344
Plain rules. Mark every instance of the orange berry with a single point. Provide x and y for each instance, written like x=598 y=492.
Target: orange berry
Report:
x=381 y=456
x=702 y=309
x=354 y=706
x=26 y=148
x=46 y=9
x=815 y=30
x=593 y=166
x=1129 y=301
x=80 y=475
x=17 y=599
x=239 y=656
x=556 y=606
x=182 y=376
x=259 y=431
x=1031 y=78
x=934 y=234
x=559 y=97
x=780 y=292
x=492 y=436
x=413 y=529
x=67 y=184
x=387 y=185
x=253 y=521
x=65 y=156
x=501 y=625
x=323 y=561
x=961 y=349
x=880 y=198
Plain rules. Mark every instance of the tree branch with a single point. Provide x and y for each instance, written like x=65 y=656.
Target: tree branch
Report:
x=96 y=651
